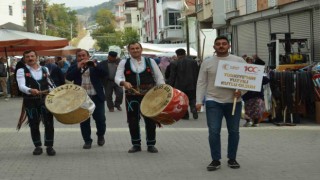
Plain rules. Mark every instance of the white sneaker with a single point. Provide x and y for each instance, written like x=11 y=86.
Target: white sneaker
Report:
x=247 y=124
x=255 y=125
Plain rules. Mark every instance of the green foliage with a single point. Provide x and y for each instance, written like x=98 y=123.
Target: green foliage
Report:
x=106 y=21
x=59 y=19
x=130 y=35
x=92 y=11
x=105 y=34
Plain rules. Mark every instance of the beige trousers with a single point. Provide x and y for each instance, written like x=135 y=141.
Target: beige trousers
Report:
x=3 y=83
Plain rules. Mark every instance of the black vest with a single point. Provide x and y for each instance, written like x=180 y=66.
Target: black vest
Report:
x=41 y=84
x=145 y=77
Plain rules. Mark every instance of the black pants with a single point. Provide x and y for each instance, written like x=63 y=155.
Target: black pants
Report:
x=133 y=118
x=192 y=101
x=36 y=112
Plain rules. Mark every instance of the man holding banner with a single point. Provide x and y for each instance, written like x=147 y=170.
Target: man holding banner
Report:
x=219 y=103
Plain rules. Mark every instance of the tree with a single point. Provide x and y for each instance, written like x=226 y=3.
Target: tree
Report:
x=130 y=35
x=105 y=33
x=60 y=19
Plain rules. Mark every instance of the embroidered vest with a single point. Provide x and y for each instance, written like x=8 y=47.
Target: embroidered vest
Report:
x=41 y=84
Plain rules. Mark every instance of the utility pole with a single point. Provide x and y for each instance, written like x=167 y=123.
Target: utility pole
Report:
x=187 y=32
x=30 y=16
x=71 y=31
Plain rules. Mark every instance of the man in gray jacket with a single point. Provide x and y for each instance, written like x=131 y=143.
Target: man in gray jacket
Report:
x=109 y=85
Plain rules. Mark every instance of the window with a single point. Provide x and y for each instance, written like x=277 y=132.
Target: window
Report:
x=10 y=11
x=230 y=5
x=128 y=18
x=173 y=18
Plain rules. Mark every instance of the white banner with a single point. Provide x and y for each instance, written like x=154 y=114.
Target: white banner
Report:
x=237 y=75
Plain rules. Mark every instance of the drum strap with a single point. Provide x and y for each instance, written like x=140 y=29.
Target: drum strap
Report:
x=151 y=67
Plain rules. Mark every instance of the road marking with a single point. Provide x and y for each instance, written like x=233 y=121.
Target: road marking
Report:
x=24 y=130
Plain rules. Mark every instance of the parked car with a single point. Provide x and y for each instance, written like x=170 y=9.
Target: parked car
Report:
x=99 y=57
x=91 y=51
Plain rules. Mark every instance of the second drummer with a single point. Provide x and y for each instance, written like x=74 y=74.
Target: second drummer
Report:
x=137 y=75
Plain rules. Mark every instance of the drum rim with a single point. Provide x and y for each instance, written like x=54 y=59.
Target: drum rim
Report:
x=71 y=110
x=160 y=110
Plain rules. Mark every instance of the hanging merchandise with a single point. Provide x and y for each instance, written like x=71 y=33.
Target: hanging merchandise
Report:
x=316 y=82
x=291 y=96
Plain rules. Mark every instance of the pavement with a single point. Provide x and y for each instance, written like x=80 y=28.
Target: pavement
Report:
x=265 y=152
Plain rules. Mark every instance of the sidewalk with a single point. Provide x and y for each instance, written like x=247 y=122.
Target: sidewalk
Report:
x=266 y=152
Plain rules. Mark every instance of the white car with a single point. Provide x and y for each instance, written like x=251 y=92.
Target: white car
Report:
x=99 y=57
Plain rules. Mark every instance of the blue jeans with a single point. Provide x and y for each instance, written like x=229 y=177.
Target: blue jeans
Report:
x=100 y=118
x=215 y=112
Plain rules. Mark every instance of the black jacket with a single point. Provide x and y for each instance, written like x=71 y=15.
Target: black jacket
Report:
x=184 y=74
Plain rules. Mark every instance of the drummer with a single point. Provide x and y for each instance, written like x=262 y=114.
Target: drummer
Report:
x=32 y=81
x=137 y=75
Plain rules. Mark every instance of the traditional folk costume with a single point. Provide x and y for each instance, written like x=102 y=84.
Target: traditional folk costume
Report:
x=143 y=76
x=35 y=105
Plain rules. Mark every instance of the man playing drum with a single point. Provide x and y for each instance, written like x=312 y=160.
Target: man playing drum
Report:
x=137 y=75
x=88 y=75
x=33 y=81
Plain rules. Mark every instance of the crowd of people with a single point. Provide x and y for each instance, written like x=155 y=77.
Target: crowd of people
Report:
x=132 y=78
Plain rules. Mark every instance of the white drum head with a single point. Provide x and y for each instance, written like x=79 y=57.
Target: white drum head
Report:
x=156 y=100
x=65 y=98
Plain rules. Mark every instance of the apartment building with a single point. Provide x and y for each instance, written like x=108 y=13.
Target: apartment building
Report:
x=119 y=16
x=11 y=11
x=248 y=24
x=157 y=20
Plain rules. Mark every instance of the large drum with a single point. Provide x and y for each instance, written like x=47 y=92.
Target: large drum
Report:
x=69 y=104
x=164 y=104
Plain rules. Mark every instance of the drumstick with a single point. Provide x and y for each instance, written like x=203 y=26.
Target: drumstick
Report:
x=135 y=91
x=44 y=92
x=234 y=104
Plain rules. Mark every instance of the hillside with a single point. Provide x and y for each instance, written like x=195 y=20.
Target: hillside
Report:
x=89 y=12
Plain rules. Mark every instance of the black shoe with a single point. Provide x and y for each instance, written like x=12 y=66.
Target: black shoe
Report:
x=152 y=149
x=51 y=151
x=119 y=108
x=37 y=151
x=232 y=163
x=195 y=115
x=214 y=165
x=101 y=141
x=87 y=145
x=186 y=117
x=134 y=149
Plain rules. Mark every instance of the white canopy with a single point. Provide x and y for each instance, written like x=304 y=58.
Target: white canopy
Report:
x=165 y=49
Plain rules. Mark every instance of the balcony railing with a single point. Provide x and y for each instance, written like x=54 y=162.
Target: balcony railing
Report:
x=172 y=33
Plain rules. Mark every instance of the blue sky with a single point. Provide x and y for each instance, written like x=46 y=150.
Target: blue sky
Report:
x=77 y=3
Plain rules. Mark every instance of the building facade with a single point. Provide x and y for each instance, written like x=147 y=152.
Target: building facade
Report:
x=249 y=24
x=11 y=11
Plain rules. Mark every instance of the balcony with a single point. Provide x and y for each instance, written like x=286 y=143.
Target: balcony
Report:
x=232 y=14
x=199 y=7
x=172 y=33
x=140 y=4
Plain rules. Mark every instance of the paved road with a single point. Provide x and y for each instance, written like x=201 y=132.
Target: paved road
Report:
x=87 y=42
x=266 y=152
